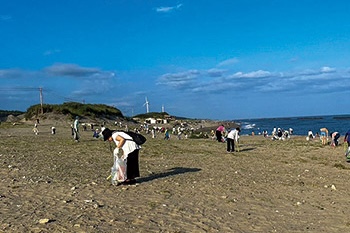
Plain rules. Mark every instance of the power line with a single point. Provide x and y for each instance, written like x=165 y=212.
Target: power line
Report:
x=19 y=88
x=41 y=99
x=41 y=94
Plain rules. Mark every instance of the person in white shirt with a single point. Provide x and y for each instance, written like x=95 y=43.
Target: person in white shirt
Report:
x=127 y=150
x=76 y=135
x=232 y=137
x=310 y=135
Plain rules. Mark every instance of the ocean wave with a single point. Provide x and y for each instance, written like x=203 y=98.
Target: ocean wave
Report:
x=248 y=126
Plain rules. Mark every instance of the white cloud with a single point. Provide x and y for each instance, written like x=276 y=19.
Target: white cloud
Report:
x=229 y=62
x=253 y=74
x=166 y=9
x=258 y=81
x=327 y=69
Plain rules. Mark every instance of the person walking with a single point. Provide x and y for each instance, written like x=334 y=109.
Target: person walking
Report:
x=232 y=137
x=76 y=135
x=127 y=150
x=166 y=135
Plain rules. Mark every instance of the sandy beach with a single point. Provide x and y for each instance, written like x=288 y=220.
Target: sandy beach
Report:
x=49 y=183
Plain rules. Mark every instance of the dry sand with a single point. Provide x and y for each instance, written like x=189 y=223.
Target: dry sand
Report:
x=51 y=184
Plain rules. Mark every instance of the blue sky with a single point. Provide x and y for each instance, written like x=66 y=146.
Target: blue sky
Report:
x=222 y=59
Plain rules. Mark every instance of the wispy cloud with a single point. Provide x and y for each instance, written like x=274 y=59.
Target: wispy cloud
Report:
x=166 y=9
x=327 y=69
x=178 y=80
x=216 y=72
x=11 y=73
x=51 y=52
x=229 y=62
x=73 y=70
x=294 y=59
x=5 y=17
x=304 y=81
x=311 y=72
x=253 y=74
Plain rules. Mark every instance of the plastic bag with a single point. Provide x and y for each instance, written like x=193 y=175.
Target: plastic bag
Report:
x=118 y=171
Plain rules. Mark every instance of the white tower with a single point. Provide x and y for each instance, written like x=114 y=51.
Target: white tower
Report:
x=147 y=105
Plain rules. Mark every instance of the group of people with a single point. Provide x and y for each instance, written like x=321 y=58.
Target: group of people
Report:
x=36 y=129
x=281 y=134
x=324 y=135
x=128 y=150
x=231 y=137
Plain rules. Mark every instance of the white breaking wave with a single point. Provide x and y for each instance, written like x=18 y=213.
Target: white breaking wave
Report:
x=248 y=126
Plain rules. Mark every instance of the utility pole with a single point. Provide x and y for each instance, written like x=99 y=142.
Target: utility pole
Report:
x=41 y=99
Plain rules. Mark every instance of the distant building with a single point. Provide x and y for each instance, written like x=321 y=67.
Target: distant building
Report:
x=151 y=121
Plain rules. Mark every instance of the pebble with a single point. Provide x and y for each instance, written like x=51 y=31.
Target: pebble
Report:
x=44 y=220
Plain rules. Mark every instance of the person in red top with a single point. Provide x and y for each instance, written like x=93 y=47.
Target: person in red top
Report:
x=219 y=133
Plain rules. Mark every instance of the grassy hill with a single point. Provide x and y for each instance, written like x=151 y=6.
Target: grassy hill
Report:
x=72 y=109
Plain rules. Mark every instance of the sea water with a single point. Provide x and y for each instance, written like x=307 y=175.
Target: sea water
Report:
x=300 y=125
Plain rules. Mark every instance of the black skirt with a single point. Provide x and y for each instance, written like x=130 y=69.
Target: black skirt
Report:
x=132 y=165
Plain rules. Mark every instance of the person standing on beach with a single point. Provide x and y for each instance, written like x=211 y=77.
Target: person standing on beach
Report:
x=53 y=130
x=166 y=135
x=129 y=153
x=347 y=140
x=76 y=129
x=153 y=132
x=232 y=137
x=219 y=133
